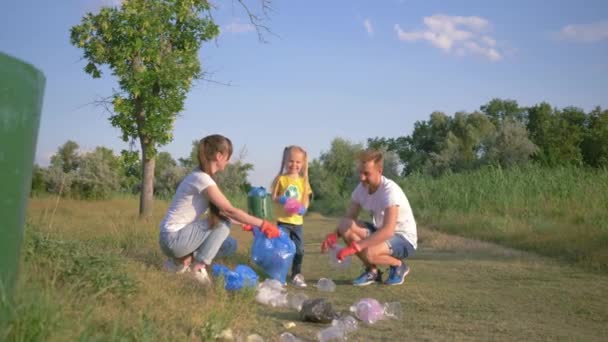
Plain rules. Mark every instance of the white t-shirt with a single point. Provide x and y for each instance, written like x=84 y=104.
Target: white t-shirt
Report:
x=188 y=203
x=387 y=195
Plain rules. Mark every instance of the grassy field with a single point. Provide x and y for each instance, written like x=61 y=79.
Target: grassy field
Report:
x=559 y=212
x=91 y=271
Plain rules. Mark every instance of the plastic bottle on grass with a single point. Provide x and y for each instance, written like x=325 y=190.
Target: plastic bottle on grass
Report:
x=368 y=310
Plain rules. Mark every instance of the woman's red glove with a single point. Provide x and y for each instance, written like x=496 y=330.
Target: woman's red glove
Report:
x=270 y=230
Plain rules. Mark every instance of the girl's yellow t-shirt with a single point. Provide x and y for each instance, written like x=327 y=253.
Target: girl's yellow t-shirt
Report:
x=291 y=187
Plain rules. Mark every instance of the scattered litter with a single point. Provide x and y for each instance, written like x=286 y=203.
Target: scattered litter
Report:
x=295 y=300
x=333 y=259
x=289 y=325
x=254 y=338
x=331 y=334
x=288 y=337
x=368 y=310
x=346 y=323
x=325 y=284
x=226 y=335
x=317 y=310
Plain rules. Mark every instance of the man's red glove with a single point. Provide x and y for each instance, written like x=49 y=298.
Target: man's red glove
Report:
x=346 y=251
x=330 y=240
x=270 y=230
x=247 y=227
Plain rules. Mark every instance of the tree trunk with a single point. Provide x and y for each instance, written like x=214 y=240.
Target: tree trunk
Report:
x=146 y=196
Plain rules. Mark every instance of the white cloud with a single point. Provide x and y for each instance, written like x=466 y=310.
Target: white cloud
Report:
x=237 y=27
x=368 y=27
x=587 y=33
x=455 y=34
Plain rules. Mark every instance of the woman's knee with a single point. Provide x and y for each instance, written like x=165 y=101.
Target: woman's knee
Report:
x=345 y=226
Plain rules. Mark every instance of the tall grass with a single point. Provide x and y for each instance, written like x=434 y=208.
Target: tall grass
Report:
x=558 y=212
x=91 y=270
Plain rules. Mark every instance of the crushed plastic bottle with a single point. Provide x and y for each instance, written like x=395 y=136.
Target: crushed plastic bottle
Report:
x=368 y=310
x=393 y=310
x=295 y=300
x=331 y=334
x=271 y=292
x=346 y=323
x=333 y=259
x=288 y=337
x=325 y=284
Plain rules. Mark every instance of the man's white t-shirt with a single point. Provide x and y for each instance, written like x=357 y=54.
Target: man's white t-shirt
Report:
x=188 y=203
x=388 y=194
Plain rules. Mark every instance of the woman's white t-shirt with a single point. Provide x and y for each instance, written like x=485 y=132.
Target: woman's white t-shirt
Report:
x=388 y=194
x=188 y=203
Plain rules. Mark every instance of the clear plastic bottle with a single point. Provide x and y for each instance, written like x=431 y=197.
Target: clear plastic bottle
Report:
x=346 y=323
x=333 y=259
x=325 y=284
x=393 y=310
x=331 y=334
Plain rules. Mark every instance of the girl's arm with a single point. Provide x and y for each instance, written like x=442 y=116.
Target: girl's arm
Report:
x=216 y=196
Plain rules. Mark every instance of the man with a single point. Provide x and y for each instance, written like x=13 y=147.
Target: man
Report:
x=392 y=235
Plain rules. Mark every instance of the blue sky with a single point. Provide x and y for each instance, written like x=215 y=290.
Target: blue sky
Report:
x=353 y=69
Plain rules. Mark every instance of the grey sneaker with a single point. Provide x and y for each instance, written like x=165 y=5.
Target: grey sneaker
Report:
x=298 y=281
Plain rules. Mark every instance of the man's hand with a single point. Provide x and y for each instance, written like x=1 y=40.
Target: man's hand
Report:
x=270 y=230
x=347 y=251
x=329 y=242
x=247 y=227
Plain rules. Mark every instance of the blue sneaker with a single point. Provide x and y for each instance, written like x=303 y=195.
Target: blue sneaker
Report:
x=368 y=277
x=397 y=274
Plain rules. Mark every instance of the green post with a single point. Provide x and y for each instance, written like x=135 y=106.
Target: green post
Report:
x=21 y=92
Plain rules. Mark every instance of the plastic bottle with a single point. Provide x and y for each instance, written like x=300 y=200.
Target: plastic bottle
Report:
x=331 y=334
x=346 y=323
x=333 y=259
x=368 y=310
x=325 y=284
x=393 y=310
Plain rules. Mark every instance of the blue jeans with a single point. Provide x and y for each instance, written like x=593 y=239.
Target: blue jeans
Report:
x=197 y=238
x=398 y=245
x=295 y=234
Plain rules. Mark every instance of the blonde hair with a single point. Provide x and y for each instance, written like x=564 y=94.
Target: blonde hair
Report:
x=303 y=172
x=371 y=155
x=208 y=148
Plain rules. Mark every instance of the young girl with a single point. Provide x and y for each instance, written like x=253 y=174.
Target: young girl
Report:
x=184 y=236
x=292 y=183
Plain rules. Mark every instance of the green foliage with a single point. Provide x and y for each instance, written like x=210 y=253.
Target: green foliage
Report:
x=151 y=46
x=66 y=157
x=595 y=141
x=97 y=176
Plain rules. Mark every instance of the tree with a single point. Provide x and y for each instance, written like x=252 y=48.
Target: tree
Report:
x=595 y=142
x=97 y=176
x=510 y=146
x=66 y=158
x=151 y=46
x=498 y=110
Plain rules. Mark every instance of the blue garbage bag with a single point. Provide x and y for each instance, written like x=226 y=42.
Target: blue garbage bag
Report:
x=242 y=276
x=273 y=256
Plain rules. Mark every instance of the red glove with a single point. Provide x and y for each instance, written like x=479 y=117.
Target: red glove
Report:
x=270 y=230
x=247 y=227
x=330 y=240
x=346 y=251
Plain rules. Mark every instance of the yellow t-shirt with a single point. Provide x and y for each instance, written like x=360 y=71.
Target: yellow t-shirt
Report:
x=291 y=188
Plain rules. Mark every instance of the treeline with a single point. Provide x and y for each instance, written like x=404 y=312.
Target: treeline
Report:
x=501 y=134
x=100 y=174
